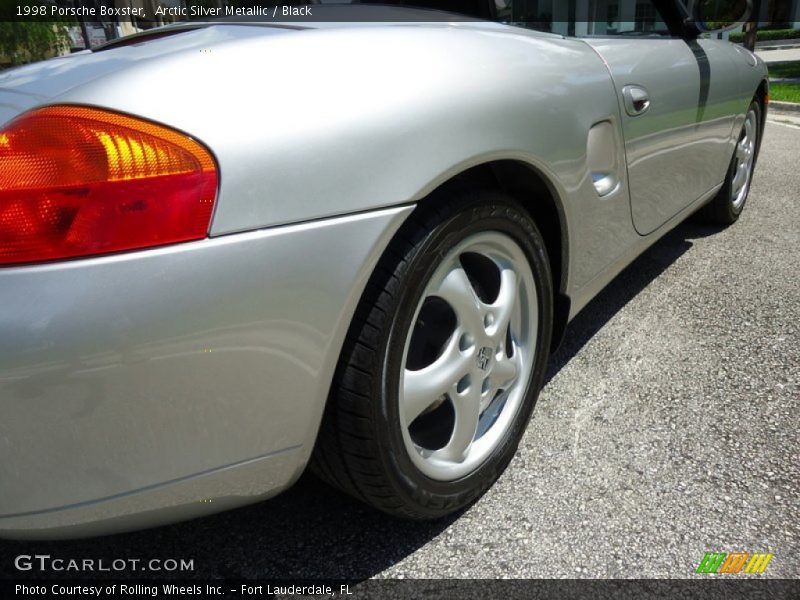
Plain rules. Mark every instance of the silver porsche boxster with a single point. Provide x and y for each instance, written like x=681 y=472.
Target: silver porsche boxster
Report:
x=232 y=250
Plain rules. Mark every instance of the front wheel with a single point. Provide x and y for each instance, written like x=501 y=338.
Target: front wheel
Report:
x=727 y=205
x=443 y=361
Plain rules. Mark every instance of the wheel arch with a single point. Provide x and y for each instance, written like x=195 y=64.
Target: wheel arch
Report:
x=540 y=198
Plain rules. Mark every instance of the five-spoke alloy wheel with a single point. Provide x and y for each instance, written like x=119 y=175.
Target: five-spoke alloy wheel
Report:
x=727 y=205
x=744 y=160
x=468 y=356
x=444 y=359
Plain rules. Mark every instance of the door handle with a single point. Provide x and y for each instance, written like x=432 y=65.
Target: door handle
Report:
x=637 y=100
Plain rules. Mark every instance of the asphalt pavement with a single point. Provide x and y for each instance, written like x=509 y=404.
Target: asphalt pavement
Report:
x=668 y=428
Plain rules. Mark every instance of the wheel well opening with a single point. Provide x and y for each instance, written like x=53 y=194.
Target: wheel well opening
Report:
x=762 y=92
x=532 y=190
x=762 y=96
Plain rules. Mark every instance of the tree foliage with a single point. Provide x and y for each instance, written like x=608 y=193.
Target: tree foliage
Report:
x=29 y=41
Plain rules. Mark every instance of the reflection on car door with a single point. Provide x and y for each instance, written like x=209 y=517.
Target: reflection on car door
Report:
x=676 y=104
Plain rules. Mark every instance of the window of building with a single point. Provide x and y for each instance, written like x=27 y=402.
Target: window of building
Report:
x=585 y=17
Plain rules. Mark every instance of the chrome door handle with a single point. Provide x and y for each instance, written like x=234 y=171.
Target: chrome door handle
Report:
x=637 y=100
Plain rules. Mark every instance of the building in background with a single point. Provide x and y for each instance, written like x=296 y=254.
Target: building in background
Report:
x=582 y=17
x=779 y=14
x=602 y=17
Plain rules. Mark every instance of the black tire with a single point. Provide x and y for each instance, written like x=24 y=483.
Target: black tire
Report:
x=360 y=447
x=722 y=210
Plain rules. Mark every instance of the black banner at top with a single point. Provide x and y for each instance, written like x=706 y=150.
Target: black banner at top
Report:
x=148 y=13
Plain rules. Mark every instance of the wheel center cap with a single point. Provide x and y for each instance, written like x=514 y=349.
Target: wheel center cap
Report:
x=484 y=358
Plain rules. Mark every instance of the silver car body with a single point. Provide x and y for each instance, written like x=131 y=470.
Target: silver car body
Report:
x=158 y=385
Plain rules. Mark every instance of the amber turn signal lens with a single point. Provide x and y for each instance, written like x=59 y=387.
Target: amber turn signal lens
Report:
x=78 y=181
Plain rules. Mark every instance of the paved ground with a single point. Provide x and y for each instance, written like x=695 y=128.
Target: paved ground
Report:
x=770 y=56
x=785 y=117
x=669 y=428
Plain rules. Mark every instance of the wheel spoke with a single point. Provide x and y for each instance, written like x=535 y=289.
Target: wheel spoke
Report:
x=423 y=387
x=738 y=180
x=503 y=307
x=456 y=289
x=505 y=372
x=741 y=150
x=467 y=409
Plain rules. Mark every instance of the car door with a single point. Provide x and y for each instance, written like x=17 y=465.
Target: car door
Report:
x=675 y=103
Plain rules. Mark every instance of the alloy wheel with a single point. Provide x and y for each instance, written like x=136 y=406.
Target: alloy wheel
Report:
x=745 y=157
x=468 y=356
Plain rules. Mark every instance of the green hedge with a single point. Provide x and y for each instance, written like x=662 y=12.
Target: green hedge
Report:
x=766 y=35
